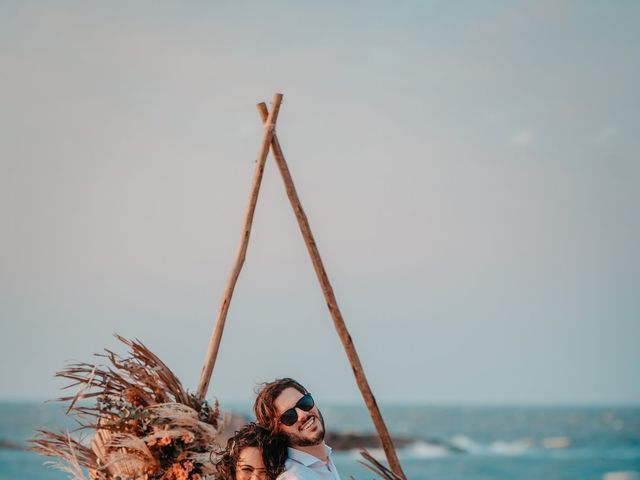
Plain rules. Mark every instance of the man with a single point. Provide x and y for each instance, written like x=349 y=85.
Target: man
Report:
x=286 y=408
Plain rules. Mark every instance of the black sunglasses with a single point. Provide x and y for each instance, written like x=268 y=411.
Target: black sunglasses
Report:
x=290 y=416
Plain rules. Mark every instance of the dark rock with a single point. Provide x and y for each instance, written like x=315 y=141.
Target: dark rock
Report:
x=352 y=440
x=7 y=445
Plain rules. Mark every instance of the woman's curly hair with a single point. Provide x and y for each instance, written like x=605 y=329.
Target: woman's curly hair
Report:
x=272 y=447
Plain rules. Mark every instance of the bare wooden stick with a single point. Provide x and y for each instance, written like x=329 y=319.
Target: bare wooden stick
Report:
x=327 y=290
x=216 y=334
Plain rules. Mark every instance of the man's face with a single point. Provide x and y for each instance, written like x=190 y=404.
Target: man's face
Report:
x=309 y=427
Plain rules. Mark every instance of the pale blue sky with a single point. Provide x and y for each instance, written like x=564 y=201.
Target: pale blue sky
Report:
x=470 y=170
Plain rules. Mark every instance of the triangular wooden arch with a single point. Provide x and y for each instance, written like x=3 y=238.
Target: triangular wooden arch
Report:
x=270 y=141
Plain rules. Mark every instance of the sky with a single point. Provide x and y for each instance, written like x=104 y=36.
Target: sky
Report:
x=470 y=171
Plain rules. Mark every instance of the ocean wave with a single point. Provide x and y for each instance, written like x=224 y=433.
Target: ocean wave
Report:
x=464 y=445
x=426 y=450
x=417 y=450
x=498 y=447
x=515 y=447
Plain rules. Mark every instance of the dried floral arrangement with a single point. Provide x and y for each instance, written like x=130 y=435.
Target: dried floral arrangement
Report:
x=145 y=425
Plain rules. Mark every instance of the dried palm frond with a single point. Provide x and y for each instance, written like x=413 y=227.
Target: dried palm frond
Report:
x=72 y=454
x=376 y=467
x=147 y=426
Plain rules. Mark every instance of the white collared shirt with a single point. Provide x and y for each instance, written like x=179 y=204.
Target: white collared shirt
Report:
x=304 y=466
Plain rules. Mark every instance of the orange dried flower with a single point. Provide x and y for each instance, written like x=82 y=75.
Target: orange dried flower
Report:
x=133 y=396
x=179 y=472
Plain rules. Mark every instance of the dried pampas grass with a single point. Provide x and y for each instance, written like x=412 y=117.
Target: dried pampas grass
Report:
x=145 y=425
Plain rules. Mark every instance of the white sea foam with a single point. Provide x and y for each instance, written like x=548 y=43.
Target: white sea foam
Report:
x=465 y=443
x=417 y=450
x=426 y=450
x=423 y=449
x=498 y=447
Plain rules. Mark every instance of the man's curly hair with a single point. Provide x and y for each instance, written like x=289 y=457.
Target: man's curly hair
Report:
x=272 y=447
x=264 y=408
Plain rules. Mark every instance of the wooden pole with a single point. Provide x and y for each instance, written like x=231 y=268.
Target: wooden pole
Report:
x=216 y=334
x=327 y=290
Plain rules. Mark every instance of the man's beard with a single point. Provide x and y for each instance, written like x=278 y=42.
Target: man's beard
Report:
x=296 y=440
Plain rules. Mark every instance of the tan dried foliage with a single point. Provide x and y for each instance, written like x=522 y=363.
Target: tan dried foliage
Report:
x=145 y=425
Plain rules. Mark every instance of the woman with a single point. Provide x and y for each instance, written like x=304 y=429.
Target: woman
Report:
x=252 y=454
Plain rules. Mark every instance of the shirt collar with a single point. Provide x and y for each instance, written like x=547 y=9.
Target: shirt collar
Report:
x=306 y=458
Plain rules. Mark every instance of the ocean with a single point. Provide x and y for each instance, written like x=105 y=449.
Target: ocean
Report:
x=449 y=443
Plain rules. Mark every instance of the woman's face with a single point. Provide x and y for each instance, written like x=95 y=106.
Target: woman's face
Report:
x=250 y=465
